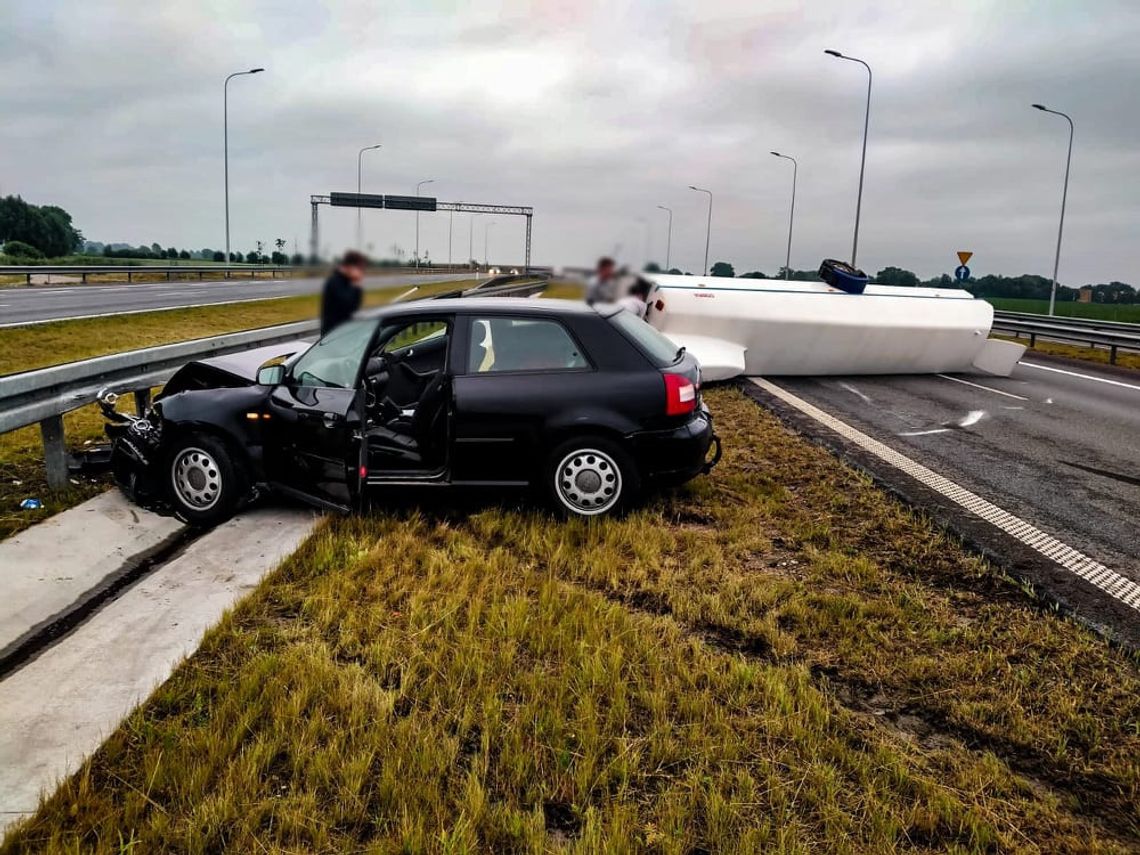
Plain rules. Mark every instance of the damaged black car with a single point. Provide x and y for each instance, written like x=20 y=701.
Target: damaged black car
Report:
x=590 y=405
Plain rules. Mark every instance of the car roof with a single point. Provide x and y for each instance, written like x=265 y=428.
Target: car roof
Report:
x=497 y=305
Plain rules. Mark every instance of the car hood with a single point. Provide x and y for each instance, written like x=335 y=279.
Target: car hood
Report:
x=244 y=365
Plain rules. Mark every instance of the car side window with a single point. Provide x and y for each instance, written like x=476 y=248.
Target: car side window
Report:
x=334 y=361
x=522 y=344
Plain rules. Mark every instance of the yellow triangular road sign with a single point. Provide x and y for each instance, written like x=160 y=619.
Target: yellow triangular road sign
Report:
x=964 y=256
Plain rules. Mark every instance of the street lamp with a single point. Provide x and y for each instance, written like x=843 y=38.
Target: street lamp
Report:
x=708 y=228
x=226 y=144
x=359 y=173
x=792 y=215
x=1064 y=198
x=418 y=186
x=471 y=238
x=863 y=161
x=486 y=231
x=669 y=238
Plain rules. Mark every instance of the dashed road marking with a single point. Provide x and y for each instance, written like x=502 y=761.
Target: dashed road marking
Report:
x=1082 y=376
x=1093 y=572
x=980 y=386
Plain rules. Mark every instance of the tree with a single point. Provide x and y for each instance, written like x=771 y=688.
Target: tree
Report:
x=19 y=249
x=171 y=252
x=755 y=274
x=218 y=255
x=722 y=268
x=47 y=228
x=674 y=271
x=897 y=277
x=297 y=258
x=184 y=255
x=156 y=249
x=652 y=267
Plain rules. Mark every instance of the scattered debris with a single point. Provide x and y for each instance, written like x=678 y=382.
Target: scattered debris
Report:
x=31 y=505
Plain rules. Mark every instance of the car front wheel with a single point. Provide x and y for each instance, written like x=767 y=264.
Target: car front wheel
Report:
x=590 y=476
x=205 y=483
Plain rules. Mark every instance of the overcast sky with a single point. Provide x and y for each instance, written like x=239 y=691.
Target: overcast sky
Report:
x=594 y=114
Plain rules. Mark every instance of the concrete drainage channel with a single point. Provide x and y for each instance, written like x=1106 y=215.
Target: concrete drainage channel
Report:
x=99 y=604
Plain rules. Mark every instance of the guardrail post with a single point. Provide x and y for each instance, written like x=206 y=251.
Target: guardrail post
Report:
x=142 y=401
x=83 y=277
x=128 y=276
x=1033 y=339
x=55 y=452
x=1112 y=354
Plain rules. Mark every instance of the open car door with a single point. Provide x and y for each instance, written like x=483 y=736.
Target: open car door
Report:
x=313 y=433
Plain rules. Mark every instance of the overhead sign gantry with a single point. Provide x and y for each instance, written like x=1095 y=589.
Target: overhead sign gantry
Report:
x=411 y=203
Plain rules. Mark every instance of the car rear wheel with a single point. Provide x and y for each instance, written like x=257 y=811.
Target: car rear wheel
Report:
x=590 y=476
x=205 y=483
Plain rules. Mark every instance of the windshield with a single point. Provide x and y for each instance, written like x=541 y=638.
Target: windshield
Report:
x=660 y=350
x=334 y=361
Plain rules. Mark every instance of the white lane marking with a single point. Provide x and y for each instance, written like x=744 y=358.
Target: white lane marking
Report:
x=138 y=311
x=980 y=386
x=1078 y=374
x=972 y=418
x=1093 y=572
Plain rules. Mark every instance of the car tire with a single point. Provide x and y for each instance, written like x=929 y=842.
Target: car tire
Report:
x=590 y=476
x=204 y=482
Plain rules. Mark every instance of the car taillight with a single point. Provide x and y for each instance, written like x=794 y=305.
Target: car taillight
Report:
x=680 y=395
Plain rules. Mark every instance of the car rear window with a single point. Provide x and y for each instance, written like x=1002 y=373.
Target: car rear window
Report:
x=660 y=350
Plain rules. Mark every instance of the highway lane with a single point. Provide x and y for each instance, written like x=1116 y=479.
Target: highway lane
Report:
x=1057 y=443
x=37 y=304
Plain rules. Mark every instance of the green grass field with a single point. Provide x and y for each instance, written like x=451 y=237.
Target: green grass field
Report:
x=777 y=658
x=1099 y=311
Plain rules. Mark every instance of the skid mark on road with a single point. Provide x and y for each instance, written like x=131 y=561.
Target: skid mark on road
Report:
x=1107 y=580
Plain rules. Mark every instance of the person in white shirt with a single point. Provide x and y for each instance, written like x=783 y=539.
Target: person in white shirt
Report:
x=635 y=299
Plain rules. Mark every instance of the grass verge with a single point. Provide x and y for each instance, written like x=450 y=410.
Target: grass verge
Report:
x=778 y=657
x=26 y=348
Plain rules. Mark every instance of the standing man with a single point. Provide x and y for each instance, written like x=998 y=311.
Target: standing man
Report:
x=602 y=287
x=343 y=290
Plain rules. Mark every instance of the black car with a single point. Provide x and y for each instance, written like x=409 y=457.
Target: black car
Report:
x=589 y=403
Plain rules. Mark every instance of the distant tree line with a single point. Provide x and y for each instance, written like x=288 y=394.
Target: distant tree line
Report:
x=1026 y=287
x=36 y=231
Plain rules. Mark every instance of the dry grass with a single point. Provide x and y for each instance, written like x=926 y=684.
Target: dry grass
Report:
x=777 y=658
x=26 y=348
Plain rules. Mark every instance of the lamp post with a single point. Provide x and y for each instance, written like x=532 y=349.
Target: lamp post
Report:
x=792 y=215
x=226 y=145
x=669 y=236
x=1064 y=198
x=418 y=186
x=863 y=161
x=708 y=228
x=450 y=224
x=471 y=238
x=359 y=175
x=486 y=232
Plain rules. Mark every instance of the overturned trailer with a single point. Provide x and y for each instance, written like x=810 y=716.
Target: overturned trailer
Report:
x=776 y=327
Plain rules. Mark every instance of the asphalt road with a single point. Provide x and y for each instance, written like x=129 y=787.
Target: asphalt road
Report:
x=1057 y=443
x=37 y=304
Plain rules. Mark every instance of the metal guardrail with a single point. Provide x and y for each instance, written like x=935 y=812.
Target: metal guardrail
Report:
x=46 y=394
x=132 y=270
x=1113 y=335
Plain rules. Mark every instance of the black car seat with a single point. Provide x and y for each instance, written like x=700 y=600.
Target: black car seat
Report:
x=416 y=440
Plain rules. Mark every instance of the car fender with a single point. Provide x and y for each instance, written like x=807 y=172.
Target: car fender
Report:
x=587 y=419
x=222 y=412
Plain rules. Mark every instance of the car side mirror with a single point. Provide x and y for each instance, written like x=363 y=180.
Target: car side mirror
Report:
x=270 y=375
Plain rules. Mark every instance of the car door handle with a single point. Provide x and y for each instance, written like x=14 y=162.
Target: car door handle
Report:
x=330 y=419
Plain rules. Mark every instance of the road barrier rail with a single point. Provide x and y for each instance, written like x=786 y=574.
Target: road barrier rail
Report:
x=45 y=395
x=1113 y=335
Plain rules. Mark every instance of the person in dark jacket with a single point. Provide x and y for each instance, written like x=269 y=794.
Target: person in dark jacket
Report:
x=342 y=292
